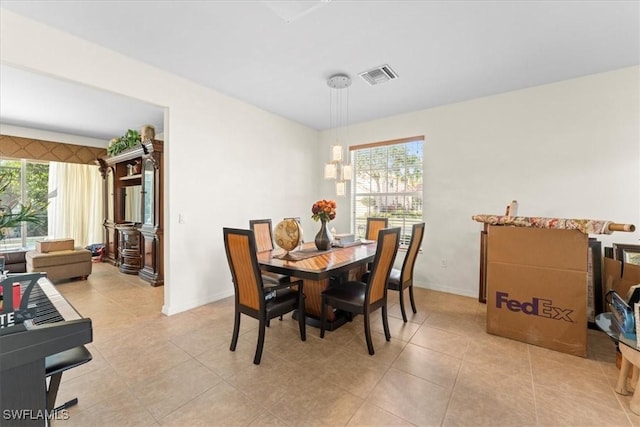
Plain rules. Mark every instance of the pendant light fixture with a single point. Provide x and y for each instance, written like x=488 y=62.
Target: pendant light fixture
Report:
x=338 y=168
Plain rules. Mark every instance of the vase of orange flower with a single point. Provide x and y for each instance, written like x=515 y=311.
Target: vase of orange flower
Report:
x=324 y=211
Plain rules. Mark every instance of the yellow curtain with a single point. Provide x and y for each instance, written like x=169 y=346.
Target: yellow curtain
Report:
x=76 y=205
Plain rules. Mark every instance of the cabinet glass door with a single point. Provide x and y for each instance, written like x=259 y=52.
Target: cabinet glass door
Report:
x=148 y=205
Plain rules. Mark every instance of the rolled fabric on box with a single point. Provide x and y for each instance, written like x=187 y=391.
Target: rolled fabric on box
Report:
x=58 y=265
x=54 y=245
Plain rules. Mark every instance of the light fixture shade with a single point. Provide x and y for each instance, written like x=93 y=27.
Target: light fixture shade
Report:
x=336 y=153
x=330 y=171
x=346 y=172
x=338 y=121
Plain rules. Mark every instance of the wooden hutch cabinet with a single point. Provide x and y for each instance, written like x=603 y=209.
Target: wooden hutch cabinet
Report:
x=133 y=211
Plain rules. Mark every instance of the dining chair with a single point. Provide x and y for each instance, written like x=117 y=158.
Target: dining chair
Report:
x=364 y=298
x=252 y=298
x=263 y=231
x=374 y=225
x=401 y=279
x=264 y=242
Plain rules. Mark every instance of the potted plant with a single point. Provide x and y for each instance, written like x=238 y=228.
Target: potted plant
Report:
x=128 y=140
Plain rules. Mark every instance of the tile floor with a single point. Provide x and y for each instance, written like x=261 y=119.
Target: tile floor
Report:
x=441 y=368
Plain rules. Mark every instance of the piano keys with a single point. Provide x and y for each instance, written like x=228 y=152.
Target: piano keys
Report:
x=53 y=326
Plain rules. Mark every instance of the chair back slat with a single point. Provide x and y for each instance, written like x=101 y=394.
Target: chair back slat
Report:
x=263 y=234
x=412 y=253
x=240 y=248
x=388 y=241
x=374 y=225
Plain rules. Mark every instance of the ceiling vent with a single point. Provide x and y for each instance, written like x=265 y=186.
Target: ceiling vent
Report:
x=379 y=75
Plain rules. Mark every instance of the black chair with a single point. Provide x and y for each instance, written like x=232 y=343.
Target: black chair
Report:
x=55 y=366
x=252 y=298
x=364 y=298
x=399 y=280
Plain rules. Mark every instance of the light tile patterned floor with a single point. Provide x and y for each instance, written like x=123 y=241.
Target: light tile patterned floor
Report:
x=440 y=369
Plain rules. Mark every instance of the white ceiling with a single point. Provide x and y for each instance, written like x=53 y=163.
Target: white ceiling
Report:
x=443 y=52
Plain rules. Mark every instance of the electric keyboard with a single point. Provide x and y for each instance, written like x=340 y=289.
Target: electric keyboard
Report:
x=46 y=324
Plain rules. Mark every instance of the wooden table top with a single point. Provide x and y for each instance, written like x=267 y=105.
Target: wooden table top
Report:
x=322 y=266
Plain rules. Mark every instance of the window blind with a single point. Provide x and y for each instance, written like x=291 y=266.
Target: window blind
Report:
x=387 y=182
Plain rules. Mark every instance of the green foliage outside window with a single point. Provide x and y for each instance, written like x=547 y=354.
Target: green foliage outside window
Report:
x=388 y=183
x=12 y=211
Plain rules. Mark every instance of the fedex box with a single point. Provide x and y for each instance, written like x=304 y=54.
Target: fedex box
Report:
x=537 y=287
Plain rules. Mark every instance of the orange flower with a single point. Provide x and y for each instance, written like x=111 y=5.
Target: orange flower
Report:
x=324 y=210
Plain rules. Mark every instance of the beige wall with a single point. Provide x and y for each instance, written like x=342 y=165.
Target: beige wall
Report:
x=569 y=149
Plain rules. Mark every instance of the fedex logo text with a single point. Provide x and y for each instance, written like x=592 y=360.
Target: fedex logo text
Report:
x=536 y=307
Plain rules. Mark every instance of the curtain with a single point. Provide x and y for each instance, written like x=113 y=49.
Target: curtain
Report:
x=76 y=208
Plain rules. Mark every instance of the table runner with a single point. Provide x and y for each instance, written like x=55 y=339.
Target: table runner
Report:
x=302 y=254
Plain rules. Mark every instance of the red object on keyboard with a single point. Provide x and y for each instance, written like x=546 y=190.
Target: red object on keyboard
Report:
x=16 y=296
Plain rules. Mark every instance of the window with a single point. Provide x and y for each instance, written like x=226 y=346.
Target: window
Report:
x=28 y=184
x=388 y=183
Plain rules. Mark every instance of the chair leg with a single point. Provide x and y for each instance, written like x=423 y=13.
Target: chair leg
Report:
x=236 y=331
x=413 y=303
x=404 y=313
x=261 y=332
x=367 y=333
x=385 y=323
x=52 y=391
x=52 y=394
x=323 y=316
x=302 y=323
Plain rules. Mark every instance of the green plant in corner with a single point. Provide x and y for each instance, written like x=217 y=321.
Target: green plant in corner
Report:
x=128 y=140
x=13 y=214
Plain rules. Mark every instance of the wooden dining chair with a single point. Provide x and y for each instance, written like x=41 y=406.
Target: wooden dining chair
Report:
x=263 y=231
x=364 y=298
x=252 y=298
x=374 y=225
x=264 y=242
x=402 y=279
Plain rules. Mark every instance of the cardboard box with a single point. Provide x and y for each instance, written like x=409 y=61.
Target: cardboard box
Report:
x=537 y=287
x=54 y=245
x=620 y=278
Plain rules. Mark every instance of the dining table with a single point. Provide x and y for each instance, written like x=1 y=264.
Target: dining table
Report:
x=318 y=269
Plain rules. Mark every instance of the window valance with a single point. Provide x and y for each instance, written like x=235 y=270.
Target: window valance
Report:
x=35 y=149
